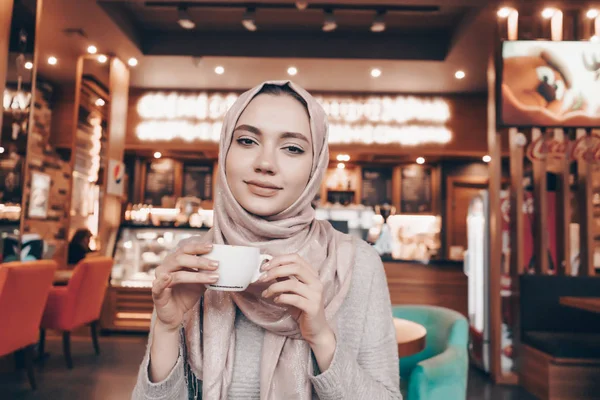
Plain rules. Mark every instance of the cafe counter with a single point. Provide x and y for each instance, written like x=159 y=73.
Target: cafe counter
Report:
x=436 y=283
x=140 y=249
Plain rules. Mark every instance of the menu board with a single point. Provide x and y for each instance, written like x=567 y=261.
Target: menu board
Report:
x=160 y=181
x=376 y=186
x=415 y=190
x=198 y=181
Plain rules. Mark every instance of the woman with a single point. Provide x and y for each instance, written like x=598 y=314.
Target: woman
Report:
x=79 y=247
x=319 y=323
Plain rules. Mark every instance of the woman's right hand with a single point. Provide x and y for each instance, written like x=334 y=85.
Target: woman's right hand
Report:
x=180 y=281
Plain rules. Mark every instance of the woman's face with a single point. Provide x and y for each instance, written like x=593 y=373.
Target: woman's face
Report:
x=269 y=162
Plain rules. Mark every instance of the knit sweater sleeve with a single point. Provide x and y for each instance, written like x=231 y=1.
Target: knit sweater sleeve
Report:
x=374 y=373
x=173 y=387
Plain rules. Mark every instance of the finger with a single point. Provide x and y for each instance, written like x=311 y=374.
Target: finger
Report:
x=289 y=259
x=180 y=277
x=302 y=273
x=290 y=286
x=282 y=260
x=159 y=285
x=195 y=248
x=294 y=300
x=193 y=262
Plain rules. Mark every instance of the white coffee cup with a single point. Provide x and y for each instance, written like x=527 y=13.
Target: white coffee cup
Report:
x=239 y=266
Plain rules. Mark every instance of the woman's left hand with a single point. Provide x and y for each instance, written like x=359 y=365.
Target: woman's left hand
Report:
x=305 y=292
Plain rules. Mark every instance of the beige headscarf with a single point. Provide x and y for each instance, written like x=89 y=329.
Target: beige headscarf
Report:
x=286 y=362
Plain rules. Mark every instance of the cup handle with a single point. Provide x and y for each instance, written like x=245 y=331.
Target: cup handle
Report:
x=258 y=274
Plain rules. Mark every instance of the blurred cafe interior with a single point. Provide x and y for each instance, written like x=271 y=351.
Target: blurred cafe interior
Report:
x=464 y=147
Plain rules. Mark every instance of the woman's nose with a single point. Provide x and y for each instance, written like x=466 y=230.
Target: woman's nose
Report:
x=265 y=163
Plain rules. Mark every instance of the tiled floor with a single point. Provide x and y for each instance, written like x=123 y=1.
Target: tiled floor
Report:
x=111 y=375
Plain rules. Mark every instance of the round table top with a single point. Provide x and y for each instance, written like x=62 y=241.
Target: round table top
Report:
x=410 y=337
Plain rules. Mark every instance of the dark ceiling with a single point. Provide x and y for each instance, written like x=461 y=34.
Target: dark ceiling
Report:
x=413 y=32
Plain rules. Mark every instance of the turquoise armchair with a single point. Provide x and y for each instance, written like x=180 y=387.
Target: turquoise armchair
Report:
x=440 y=371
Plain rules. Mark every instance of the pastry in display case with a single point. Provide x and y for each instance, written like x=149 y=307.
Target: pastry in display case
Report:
x=140 y=250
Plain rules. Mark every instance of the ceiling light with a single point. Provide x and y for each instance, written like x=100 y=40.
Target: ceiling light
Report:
x=341 y=165
x=592 y=13
x=219 y=70
x=28 y=65
x=486 y=158
x=548 y=12
x=52 y=60
x=248 y=20
x=292 y=71
x=459 y=74
x=504 y=12
x=378 y=22
x=1 y=150
x=132 y=62
x=420 y=160
x=375 y=72
x=183 y=18
x=157 y=154
x=92 y=49
x=102 y=59
x=302 y=5
x=329 y=25
x=343 y=157
x=100 y=102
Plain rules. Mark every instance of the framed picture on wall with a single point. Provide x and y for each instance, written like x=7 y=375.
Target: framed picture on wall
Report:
x=416 y=190
x=160 y=182
x=376 y=186
x=198 y=181
x=40 y=192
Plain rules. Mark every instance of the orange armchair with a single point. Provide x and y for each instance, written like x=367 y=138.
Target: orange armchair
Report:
x=24 y=288
x=77 y=304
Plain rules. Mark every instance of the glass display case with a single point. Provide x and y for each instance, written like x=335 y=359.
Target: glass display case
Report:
x=140 y=249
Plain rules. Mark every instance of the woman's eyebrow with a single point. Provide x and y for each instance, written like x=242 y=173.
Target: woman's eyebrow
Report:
x=248 y=128
x=294 y=135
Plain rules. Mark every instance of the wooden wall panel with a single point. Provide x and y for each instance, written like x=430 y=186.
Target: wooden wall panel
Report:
x=540 y=211
x=586 y=214
x=6 y=8
x=110 y=217
x=442 y=285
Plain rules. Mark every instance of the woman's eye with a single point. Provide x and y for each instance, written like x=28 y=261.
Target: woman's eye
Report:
x=245 y=141
x=294 y=149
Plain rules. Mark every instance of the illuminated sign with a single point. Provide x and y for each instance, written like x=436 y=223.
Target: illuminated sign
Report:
x=14 y=100
x=585 y=148
x=405 y=120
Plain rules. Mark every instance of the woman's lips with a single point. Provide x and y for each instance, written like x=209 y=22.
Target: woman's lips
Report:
x=262 y=191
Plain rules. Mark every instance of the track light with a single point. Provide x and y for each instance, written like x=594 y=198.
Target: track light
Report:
x=378 y=22
x=248 y=20
x=184 y=19
x=329 y=25
x=302 y=5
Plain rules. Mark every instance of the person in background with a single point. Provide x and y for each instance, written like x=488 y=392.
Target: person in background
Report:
x=79 y=247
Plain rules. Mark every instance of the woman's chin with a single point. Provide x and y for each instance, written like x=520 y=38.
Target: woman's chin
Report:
x=262 y=210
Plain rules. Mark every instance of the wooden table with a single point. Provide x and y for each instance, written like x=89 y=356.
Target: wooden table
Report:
x=584 y=303
x=410 y=337
x=62 y=276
